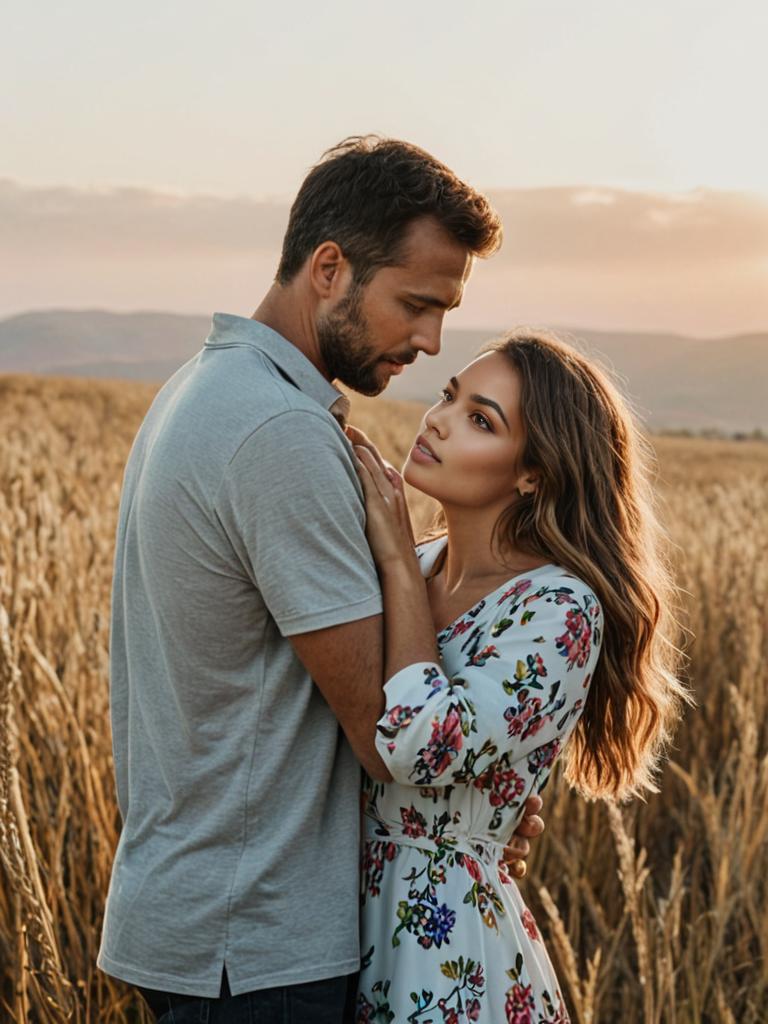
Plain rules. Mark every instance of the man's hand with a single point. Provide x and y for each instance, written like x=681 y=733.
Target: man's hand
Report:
x=529 y=828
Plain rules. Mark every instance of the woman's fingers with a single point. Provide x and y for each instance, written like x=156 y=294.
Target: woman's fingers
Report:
x=402 y=511
x=360 y=439
x=531 y=826
x=379 y=487
x=376 y=472
x=370 y=491
x=533 y=804
x=516 y=849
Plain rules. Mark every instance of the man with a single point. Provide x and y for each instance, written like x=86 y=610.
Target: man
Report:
x=246 y=608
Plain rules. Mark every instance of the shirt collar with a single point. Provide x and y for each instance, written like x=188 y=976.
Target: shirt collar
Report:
x=290 y=361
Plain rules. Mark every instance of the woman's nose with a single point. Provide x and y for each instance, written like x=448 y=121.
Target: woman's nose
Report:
x=434 y=421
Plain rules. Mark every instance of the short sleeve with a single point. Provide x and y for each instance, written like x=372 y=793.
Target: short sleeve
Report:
x=523 y=684
x=291 y=505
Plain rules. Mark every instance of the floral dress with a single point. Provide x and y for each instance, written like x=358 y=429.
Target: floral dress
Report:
x=446 y=937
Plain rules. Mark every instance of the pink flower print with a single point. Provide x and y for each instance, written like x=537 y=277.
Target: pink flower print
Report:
x=373 y=864
x=482 y=656
x=461 y=627
x=519 y=1005
x=521 y=716
x=530 y=925
x=576 y=643
x=542 y=757
x=504 y=783
x=472 y=867
x=400 y=717
x=536 y=665
x=515 y=590
x=506 y=787
x=476 y=979
x=414 y=824
x=472 y=1009
x=444 y=744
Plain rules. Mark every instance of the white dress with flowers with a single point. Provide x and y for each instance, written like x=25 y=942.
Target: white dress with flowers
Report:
x=446 y=937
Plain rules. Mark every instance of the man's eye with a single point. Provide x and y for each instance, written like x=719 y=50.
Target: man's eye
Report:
x=415 y=310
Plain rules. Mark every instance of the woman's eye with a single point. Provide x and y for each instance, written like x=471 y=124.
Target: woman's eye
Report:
x=481 y=421
x=446 y=395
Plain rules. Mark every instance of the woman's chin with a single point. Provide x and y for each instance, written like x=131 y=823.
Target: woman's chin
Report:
x=416 y=479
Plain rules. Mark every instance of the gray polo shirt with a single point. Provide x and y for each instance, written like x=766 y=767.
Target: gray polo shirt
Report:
x=241 y=524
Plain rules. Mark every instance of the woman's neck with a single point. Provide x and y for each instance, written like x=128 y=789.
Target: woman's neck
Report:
x=471 y=557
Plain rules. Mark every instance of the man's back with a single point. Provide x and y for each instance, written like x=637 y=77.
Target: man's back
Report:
x=240 y=525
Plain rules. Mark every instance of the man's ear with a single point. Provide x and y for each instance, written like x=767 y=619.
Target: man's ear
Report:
x=329 y=271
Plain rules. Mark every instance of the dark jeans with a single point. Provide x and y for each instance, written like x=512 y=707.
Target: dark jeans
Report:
x=313 y=1002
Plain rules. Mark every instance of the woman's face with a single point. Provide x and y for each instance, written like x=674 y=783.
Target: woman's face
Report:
x=469 y=446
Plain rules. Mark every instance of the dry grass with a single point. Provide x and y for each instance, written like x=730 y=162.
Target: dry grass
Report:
x=656 y=912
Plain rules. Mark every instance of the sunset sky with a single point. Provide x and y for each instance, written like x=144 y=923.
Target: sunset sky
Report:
x=150 y=151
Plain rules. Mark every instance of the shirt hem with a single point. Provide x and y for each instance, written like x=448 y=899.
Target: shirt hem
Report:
x=331 y=617
x=205 y=989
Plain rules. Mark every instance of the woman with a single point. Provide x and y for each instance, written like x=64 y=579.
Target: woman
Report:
x=538 y=614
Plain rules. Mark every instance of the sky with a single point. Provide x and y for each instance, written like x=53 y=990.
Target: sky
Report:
x=633 y=132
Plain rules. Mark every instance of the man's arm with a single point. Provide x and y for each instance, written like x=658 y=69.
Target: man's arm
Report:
x=346 y=664
x=292 y=507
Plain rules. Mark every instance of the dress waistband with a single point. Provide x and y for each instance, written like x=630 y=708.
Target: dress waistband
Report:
x=487 y=851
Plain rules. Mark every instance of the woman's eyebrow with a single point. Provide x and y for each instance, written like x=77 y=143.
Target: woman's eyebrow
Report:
x=482 y=400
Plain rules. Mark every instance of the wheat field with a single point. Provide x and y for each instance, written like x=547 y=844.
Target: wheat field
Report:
x=653 y=912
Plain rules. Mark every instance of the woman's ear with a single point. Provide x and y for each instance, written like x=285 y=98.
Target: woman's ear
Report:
x=527 y=483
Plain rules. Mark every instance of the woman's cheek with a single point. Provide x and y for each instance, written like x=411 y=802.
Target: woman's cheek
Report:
x=487 y=475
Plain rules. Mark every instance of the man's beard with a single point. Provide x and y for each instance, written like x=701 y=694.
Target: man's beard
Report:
x=345 y=346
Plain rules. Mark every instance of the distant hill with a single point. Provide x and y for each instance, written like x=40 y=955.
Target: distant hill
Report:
x=674 y=382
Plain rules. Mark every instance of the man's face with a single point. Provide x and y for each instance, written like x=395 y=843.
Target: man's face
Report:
x=377 y=329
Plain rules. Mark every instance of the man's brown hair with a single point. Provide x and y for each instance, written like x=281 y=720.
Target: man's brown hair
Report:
x=365 y=192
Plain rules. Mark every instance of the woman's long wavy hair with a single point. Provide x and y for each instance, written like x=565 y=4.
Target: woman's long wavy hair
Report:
x=593 y=514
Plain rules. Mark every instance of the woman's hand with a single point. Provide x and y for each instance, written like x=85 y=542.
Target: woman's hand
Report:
x=531 y=826
x=388 y=524
x=361 y=439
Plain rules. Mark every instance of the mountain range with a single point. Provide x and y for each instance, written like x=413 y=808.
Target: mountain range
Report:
x=674 y=382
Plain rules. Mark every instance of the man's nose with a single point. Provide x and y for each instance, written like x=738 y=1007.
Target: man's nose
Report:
x=427 y=341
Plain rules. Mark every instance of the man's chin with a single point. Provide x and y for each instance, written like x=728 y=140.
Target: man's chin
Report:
x=371 y=384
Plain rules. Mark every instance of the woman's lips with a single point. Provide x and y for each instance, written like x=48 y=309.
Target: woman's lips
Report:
x=421 y=452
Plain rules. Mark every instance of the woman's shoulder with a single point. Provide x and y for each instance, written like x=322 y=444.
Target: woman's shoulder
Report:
x=558 y=577
x=547 y=585
x=427 y=552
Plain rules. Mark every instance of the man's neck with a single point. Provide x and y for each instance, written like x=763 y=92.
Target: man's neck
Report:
x=283 y=311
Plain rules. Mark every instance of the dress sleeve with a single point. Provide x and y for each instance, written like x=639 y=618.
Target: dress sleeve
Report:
x=522 y=687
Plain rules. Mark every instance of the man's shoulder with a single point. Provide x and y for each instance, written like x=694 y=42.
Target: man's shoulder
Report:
x=228 y=396
x=244 y=378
